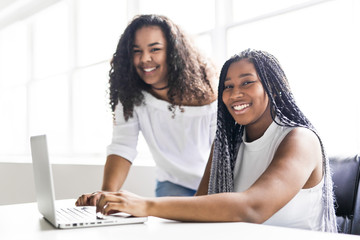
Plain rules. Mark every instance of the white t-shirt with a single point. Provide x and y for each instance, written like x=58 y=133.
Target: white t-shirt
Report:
x=305 y=210
x=180 y=144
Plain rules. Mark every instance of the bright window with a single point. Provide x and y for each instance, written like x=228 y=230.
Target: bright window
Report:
x=244 y=10
x=13 y=77
x=54 y=65
x=193 y=16
x=49 y=111
x=318 y=55
x=91 y=113
x=98 y=29
x=51 y=41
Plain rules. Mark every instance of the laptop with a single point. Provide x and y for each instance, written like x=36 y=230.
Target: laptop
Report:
x=65 y=217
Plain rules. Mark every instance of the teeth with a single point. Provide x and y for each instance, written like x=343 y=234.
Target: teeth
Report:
x=149 y=69
x=240 y=107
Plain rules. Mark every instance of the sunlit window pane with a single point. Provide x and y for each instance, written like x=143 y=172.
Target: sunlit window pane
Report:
x=14 y=55
x=54 y=65
x=13 y=135
x=49 y=111
x=247 y=9
x=92 y=113
x=100 y=25
x=193 y=16
x=203 y=42
x=316 y=58
x=51 y=41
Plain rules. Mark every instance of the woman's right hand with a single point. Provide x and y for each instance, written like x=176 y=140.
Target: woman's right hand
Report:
x=89 y=199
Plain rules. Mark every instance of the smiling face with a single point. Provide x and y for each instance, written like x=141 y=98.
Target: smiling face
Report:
x=149 y=55
x=245 y=97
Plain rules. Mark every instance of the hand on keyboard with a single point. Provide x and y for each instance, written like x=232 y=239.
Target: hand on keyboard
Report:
x=89 y=199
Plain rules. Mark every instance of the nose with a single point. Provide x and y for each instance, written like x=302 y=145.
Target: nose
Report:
x=146 y=57
x=237 y=93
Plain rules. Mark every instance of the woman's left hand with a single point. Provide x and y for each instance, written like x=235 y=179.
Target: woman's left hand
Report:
x=122 y=201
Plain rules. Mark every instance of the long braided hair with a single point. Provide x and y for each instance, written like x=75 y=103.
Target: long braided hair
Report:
x=190 y=74
x=284 y=111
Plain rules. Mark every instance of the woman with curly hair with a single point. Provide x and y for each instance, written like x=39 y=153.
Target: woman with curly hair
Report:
x=268 y=163
x=160 y=85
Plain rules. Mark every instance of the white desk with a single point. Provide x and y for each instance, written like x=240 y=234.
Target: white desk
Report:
x=23 y=221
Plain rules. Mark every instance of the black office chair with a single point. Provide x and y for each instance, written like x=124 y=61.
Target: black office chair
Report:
x=346 y=174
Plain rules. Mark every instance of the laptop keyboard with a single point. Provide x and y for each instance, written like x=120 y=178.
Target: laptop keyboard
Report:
x=76 y=214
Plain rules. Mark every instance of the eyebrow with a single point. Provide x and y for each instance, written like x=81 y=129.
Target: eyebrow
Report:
x=241 y=76
x=149 y=45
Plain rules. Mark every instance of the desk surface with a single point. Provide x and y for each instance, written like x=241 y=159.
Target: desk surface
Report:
x=23 y=221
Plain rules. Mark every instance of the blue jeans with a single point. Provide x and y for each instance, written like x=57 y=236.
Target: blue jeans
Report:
x=167 y=188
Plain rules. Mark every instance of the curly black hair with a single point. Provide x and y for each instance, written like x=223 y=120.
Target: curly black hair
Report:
x=190 y=74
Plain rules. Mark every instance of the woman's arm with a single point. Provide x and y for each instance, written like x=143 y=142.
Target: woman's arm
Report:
x=297 y=164
x=115 y=172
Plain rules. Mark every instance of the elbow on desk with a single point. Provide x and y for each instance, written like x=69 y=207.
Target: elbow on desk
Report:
x=249 y=216
x=248 y=211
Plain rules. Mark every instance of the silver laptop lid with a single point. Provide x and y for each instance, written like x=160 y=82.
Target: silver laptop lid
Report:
x=43 y=177
x=46 y=197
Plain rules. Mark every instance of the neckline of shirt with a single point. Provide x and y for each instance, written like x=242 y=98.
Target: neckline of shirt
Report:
x=263 y=141
x=152 y=101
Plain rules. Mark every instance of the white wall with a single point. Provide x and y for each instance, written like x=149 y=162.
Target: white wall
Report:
x=17 y=182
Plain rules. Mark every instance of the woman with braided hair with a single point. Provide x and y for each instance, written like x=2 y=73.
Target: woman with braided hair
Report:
x=268 y=164
x=161 y=85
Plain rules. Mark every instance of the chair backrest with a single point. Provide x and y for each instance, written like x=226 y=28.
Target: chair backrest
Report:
x=346 y=174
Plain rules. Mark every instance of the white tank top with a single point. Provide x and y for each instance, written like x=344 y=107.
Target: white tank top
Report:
x=305 y=210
